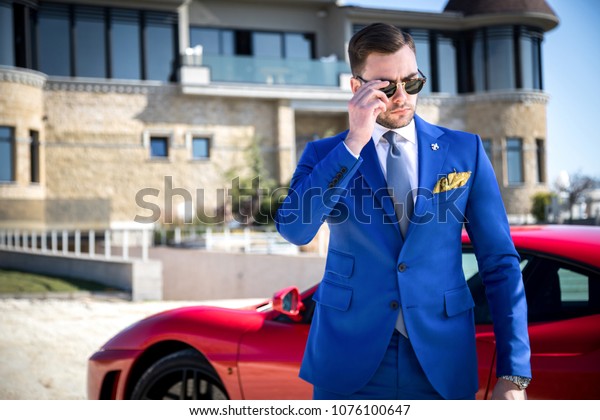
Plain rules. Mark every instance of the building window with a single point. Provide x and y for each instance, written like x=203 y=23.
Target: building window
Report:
x=540 y=151
x=422 y=45
x=213 y=41
x=160 y=47
x=125 y=42
x=446 y=65
x=7 y=53
x=500 y=58
x=200 y=148
x=54 y=47
x=90 y=45
x=478 y=59
x=506 y=57
x=298 y=46
x=89 y=41
x=267 y=44
x=514 y=160
x=7 y=154
x=34 y=156
x=159 y=147
x=487 y=146
x=15 y=33
x=263 y=44
x=530 y=55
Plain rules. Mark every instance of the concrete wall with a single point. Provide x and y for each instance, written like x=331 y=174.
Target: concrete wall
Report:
x=191 y=274
x=142 y=278
x=180 y=274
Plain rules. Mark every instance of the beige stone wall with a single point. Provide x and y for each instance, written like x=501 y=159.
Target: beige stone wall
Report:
x=312 y=125
x=97 y=144
x=22 y=109
x=499 y=120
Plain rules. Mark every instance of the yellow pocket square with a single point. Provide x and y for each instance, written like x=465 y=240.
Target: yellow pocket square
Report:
x=451 y=181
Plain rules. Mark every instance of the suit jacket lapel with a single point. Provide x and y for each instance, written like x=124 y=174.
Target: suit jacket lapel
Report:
x=371 y=172
x=433 y=149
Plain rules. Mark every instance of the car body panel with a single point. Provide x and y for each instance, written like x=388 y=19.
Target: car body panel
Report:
x=281 y=365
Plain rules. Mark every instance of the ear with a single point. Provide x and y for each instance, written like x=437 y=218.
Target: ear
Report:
x=354 y=84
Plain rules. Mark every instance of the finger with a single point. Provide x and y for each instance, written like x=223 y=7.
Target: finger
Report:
x=365 y=95
x=373 y=87
x=382 y=107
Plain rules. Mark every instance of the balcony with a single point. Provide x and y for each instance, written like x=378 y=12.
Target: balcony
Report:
x=198 y=69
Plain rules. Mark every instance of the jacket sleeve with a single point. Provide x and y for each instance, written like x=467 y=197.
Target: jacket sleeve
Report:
x=316 y=187
x=488 y=228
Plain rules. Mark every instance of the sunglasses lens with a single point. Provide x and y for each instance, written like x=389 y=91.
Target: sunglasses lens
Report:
x=389 y=90
x=413 y=87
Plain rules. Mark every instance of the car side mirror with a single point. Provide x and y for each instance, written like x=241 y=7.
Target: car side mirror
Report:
x=287 y=301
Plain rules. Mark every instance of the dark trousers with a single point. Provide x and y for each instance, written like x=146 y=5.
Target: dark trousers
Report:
x=399 y=377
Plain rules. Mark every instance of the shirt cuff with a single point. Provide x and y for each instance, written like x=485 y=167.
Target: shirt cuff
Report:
x=350 y=151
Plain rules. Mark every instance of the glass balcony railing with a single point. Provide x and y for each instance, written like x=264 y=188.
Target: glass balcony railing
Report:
x=270 y=71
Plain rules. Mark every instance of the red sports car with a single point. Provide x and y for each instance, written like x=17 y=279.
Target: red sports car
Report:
x=254 y=353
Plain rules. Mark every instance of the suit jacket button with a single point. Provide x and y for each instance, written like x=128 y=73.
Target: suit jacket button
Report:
x=344 y=169
x=331 y=184
x=394 y=304
x=402 y=267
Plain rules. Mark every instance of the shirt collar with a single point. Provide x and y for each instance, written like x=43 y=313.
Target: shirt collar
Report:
x=408 y=132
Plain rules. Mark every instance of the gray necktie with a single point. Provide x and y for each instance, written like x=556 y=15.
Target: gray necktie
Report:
x=398 y=182
x=399 y=186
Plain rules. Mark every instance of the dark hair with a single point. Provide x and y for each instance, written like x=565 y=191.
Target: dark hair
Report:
x=379 y=38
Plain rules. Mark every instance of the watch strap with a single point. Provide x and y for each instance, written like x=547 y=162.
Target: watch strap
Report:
x=521 y=381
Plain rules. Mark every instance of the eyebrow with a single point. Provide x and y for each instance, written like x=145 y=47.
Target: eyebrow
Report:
x=407 y=78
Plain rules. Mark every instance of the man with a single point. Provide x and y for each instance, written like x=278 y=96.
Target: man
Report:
x=394 y=315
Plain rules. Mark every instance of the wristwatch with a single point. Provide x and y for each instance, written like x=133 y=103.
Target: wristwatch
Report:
x=520 y=381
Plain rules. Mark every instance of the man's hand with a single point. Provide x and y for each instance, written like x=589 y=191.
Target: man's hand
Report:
x=506 y=390
x=364 y=107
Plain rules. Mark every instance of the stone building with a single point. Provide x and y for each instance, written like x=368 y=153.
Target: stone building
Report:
x=113 y=112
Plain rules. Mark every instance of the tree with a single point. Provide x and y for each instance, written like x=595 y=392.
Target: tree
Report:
x=540 y=203
x=254 y=194
x=573 y=188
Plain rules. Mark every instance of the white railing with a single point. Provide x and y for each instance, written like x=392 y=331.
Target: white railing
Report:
x=69 y=242
x=135 y=243
x=248 y=240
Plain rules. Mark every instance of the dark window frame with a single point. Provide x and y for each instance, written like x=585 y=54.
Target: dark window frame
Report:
x=34 y=156
x=545 y=264
x=540 y=155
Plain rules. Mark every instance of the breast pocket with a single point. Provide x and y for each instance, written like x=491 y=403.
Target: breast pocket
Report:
x=454 y=195
x=339 y=263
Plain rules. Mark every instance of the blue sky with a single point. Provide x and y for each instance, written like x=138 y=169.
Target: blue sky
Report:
x=571 y=60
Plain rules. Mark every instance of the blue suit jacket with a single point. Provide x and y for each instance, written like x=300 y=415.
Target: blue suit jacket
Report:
x=369 y=268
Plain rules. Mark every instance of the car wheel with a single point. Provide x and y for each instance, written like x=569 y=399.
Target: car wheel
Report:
x=183 y=375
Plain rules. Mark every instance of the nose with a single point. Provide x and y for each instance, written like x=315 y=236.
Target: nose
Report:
x=400 y=94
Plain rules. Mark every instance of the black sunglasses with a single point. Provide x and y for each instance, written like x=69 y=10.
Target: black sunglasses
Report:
x=412 y=86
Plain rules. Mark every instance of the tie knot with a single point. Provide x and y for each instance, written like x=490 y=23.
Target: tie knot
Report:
x=390 y=136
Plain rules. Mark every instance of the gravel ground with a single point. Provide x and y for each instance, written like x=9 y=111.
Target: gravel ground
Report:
x=45 y=343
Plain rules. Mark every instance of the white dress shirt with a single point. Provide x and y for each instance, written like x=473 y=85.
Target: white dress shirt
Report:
x=407 y=142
